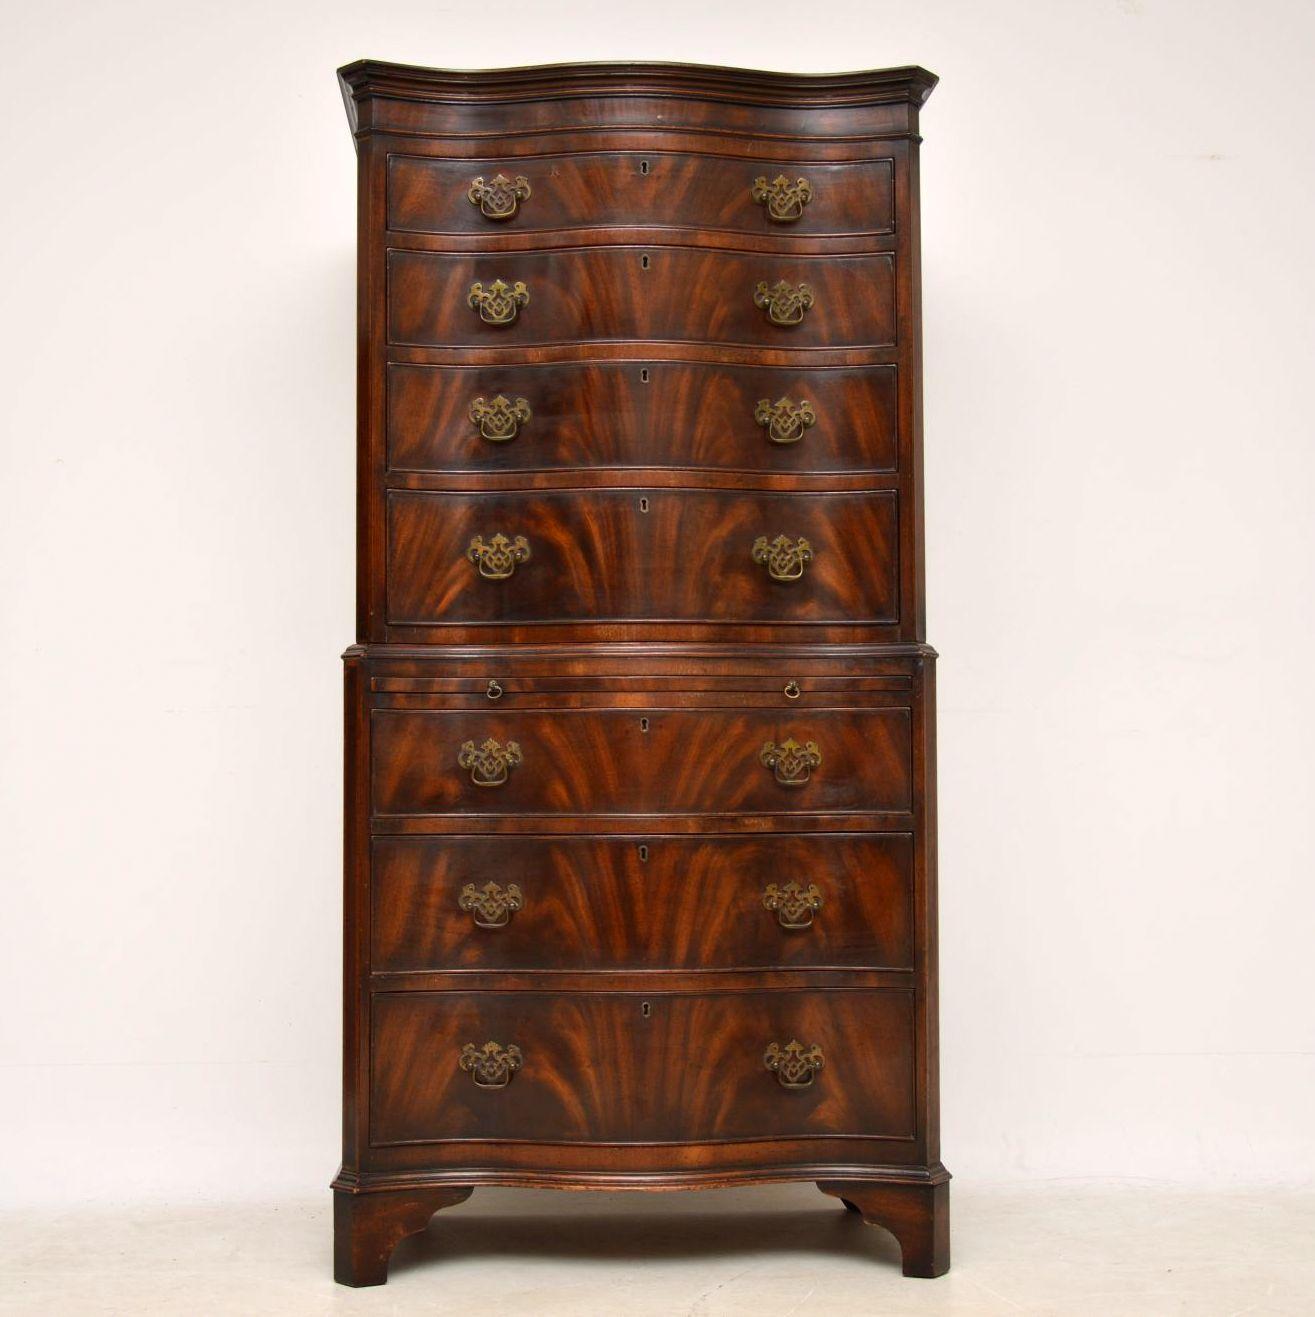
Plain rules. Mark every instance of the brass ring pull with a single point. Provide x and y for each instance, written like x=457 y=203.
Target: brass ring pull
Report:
x=492 y=1065
x=496 y=559
x=783 y=200
x=490 y=765
x=499 y=421
x=785 y=421
x=794 y=1065
x=793 y=906
x=499 y=197
x=792 y=764
x=791 y=691
x=490 y=906
x=500 y=303
x=494 y=689
x=783 y=557
x=784 y=303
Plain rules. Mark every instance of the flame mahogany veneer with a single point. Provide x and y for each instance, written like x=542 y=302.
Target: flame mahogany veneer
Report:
x=640 y=773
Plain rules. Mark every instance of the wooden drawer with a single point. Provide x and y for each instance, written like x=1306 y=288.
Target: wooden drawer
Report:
x=625 y=1068
x=668 y=294
x=586 y=903
x=584 y=416
x=698 y=759
x=599 y=555
x=633 y=188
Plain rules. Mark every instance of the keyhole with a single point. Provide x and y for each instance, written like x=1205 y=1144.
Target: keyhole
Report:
x=643 y=724
x=643 y=375
x=646 y=1009
x=643 y=505
x=643 y=261
x=643 y=166
x=643 y=854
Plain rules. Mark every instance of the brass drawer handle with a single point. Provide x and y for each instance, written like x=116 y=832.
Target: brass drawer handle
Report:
x=792 y=764
x=499 y=197
x=784 y=303
x=783 y=200
x=497 y=557
x=490 y=765
x=785 y=421
x=500 y=302
x=794 y=906
x=501 y=419
x=492 y=905
x=783 y=557
x=492 y=1065
x=794 y=1065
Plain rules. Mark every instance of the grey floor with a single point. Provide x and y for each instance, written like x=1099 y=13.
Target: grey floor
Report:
x=1058 y=1247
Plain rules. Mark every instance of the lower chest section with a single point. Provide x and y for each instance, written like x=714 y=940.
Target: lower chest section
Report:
x=608 y=902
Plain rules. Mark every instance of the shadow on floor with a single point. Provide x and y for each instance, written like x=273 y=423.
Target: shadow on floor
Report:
x=605 y=1227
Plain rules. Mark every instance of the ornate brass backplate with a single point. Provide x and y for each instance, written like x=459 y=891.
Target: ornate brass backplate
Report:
x=497 y=556
x=783 y=557
x=784 y=303
x=491 y=763
x=492 y=1065
x=792 y=764
x=501 y=418
x=492 y=905
x=500 y=302
x=784 y=200
x=794 y=1065
x=794 y=906
x=785 y=421
x=499 y=197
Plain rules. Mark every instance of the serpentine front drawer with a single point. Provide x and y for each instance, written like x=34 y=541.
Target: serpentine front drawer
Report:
x=651 y=293
x=591 y=415
x=775 y=195
x=646 y=554
x=626 y=1067
x=659 y=758
x=791 y=900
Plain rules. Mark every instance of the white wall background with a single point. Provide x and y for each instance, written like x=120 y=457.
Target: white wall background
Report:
x=1120 y=299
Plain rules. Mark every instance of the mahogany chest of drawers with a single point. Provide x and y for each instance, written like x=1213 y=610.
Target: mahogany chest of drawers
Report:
x=640 y=785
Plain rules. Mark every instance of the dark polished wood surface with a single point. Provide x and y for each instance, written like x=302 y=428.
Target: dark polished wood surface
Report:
x=639 y=189
x=653 y=293
x=643 y=554
x=636 y=832
x=645 y=760
x=673 y=414
x=645 y=902
x=626 y=1067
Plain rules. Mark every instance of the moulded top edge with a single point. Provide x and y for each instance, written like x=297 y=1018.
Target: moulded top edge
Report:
x=369 y=77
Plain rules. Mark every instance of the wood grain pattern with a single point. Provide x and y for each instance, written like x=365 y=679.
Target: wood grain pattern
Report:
x=644 y=553
x=674 y=414
x=639 y=657
x=606 y=294
x=461 y=106
x=598 y=1070
x=657 y=760
x=649 y=902
x=368 y=1226
x=917 y=1215
x=648 y=189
